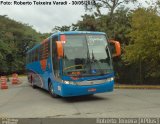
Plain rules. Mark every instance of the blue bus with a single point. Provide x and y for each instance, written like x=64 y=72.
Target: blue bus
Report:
x=73 y=63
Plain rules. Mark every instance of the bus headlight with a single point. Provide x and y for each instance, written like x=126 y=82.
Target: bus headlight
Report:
x=109 y=79
x=69 y=82
x=66 y=82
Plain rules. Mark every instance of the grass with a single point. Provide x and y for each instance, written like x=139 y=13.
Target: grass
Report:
x=123 y=86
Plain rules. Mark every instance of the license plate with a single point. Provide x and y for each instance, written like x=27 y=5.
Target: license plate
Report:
x=91 y=90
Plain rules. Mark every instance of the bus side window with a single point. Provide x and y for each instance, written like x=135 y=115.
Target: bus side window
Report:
x=41 y=52
x=54 y=56
x=46 y=50
x=36 y=54
x=49 y=52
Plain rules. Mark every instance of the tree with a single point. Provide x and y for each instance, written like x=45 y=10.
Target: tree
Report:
x=110 y=5
x=118 y=30
x=15 y=39
x=61 y=28
x=88 y=23
x=144 y=46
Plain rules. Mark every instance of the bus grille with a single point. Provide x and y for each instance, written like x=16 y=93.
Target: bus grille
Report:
x=94 y=82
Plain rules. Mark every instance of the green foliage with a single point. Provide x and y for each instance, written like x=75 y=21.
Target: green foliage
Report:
x=144 y=45
x=88 y=23
x=15 y=39
x=62 y=28
x=117 y=30
x=44 y=36
x=109 y=5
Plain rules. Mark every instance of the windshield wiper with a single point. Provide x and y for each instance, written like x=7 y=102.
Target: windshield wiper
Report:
x=88 y=61
x=107 y=51
x=97 y=62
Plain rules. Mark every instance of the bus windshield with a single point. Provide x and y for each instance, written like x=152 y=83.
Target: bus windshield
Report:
x=86 y=55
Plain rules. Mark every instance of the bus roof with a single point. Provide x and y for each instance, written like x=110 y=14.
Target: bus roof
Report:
x=78 y=32
x=68 y=33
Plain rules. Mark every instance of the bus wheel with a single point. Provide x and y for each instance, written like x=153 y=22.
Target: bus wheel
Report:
x=32 y=83
x=90 y=95
x=51 y=90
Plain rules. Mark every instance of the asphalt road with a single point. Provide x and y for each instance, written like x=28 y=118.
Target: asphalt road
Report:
x=22 y=101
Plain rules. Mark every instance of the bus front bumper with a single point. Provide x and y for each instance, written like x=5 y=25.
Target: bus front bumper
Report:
x=66 y=90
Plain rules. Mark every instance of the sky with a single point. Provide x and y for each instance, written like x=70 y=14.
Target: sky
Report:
x=43 y=18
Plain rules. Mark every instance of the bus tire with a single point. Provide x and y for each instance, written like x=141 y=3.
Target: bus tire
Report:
x=51 y=91
x=90 y=95
x=32 y=83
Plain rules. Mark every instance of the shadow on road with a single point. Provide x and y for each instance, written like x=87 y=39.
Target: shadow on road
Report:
x=83 y=98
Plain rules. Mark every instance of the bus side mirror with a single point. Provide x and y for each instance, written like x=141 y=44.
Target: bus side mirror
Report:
x=115 y=48
x=59 y=45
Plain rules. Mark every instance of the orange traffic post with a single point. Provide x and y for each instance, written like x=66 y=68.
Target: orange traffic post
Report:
x=15 y=79
x=4 y=82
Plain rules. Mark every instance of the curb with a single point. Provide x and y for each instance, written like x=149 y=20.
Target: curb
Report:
x=118 y=86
